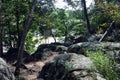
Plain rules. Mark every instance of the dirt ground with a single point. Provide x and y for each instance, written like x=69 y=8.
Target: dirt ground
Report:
x=34 y=68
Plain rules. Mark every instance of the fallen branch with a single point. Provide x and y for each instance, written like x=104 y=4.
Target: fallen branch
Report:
x=107 y=31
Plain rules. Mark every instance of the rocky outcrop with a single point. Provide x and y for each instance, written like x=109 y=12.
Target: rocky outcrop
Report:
x=95 y=37
x=45 y=50
x=69 y=66
x=5 y=73
x=80 y=47
x=109 y=48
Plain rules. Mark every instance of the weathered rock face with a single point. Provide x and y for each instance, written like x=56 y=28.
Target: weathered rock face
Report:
x=95 y=37
x=70 y=66
x=111 y=49
x=61 y=48
x=99 y=45
x=45 y=50
x=5 y=73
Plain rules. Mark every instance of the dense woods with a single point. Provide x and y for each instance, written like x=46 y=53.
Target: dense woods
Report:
x=26 y=23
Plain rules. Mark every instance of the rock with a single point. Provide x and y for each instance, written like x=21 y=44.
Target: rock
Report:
x=43 y=47
x=95 y=37
x=110 y=48
x=61 y=44
x=69 y=66
x=5 y=73
x=61 y=48
x=41 y=56
x=80 y=47
x=45 y=50
x=80 y=39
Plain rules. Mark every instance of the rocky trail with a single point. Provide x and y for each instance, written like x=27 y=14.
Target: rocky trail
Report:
x=34 y=68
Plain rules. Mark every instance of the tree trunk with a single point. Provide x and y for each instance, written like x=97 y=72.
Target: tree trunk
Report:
x=18 y=30
x=66 y=34
x=53 y=36
x=1 y=30
x=10 y=43
x=21 y=47
x=86 y=16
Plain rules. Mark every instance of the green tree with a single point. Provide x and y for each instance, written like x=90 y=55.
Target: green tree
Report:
x=103 y=14
x=21 y=47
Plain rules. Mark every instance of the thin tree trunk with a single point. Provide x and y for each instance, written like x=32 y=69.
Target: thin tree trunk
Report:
x=1 y=30
x=21 y=47
x=18 y=30
x=66 y=34
x=10 y=43
x=53 y=36
x=86 y=16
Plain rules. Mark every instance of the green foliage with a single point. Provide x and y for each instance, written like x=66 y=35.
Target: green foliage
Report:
x=104 y=65
x=31 y=42
x=47 y=17
x=103 y=14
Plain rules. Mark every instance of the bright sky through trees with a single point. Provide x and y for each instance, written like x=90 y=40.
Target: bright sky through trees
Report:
x=61 y=4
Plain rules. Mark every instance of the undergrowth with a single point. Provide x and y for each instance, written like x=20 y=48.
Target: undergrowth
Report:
x=104 y=64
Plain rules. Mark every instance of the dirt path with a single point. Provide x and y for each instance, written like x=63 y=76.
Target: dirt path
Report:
x=35 y=67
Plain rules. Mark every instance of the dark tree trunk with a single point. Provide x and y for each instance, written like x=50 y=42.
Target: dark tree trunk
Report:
x=66 y=34
x=1 y=30
x=21 y=47
x=18 y=30
x=86 y=16
x=10 y=43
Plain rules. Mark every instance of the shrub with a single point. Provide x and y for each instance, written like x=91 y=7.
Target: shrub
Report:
x=104 y=65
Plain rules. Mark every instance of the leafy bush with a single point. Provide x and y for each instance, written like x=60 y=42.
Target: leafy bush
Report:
x=104 y=65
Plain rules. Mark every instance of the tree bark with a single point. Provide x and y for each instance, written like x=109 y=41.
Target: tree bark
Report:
x=1 y=30
x=17 y=25
x=66 y=34
x=10 y=43
x=25 y=31
x=86 y=16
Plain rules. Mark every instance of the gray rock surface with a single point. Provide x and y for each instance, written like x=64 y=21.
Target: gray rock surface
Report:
x=5 y=73
x=70 y=66
x=112 y=49
x=95 y=37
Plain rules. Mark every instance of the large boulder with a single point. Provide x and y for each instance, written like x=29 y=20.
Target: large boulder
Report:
x=80 y=47
x=45 y=50
x=5 y=73
x=112 y=49
x=61 y=44
x=69 y=66
x=95 y=37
